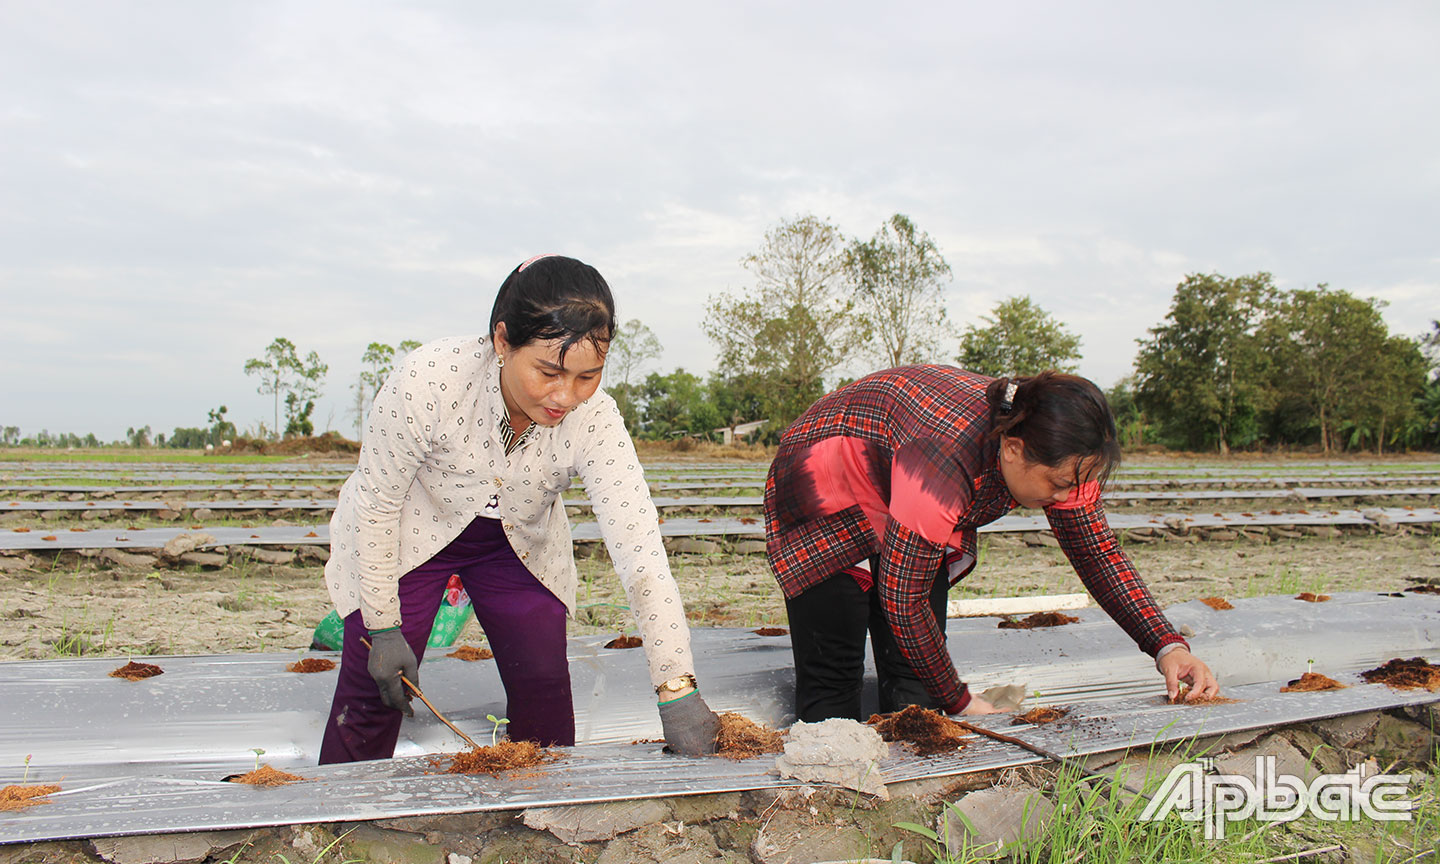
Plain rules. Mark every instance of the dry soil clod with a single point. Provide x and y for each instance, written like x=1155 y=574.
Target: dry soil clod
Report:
x=133 y=671
x=1039 y=619
x=929 y=732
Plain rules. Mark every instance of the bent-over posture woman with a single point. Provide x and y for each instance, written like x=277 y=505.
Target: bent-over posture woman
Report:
x=871 y=507
x=465 y=453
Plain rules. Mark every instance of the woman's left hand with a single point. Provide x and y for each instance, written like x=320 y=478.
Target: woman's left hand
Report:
x=1180 y=665
x=691 y=728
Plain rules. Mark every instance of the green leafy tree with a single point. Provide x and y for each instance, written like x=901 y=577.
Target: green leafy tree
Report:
x=378 y=360
x=281 y=371
x=10 y=436
x=134 y=437
x=678 y=403
x=1333 y=354
x=899 y=277
x=796 y=324
x=1201 y=374
x=1018 y=338
x=632 y=346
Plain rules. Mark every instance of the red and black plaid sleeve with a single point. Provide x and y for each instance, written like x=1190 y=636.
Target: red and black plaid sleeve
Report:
x=1110 y=577
x=908 y=566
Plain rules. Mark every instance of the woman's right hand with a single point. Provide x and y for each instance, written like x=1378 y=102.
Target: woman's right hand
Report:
x=391 y=657
x=979 y=706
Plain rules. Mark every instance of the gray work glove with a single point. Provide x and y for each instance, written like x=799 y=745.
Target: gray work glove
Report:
x=691 y=728
x=391 y=657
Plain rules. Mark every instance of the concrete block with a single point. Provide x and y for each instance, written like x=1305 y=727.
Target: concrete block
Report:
x=999 y=818
x=586 y=823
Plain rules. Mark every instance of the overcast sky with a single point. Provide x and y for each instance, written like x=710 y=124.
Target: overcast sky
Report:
x=182 y=182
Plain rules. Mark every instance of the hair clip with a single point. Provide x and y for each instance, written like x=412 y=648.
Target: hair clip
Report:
x=532 y=260
x=1008 y=400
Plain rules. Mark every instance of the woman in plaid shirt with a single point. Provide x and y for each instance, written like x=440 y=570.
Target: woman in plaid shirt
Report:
x=871 y=508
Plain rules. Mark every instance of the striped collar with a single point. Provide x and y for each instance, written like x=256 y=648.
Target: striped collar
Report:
x=508 y=437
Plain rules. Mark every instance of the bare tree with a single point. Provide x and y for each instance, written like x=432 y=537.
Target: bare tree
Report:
x=899 y=276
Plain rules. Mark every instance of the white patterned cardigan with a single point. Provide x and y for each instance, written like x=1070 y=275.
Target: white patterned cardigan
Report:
x=431 y=457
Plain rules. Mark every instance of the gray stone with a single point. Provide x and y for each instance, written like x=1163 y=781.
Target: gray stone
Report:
x=211 y=560
x=1351 y=730
x=999 y=818
x=790 y=837
x=182 y=543
x=128 y=559
x=270 y=556
x=839 y=751
x=457 y=858
x=586 y=823
x=690 y=546
x=167 y=848
x=749 y=547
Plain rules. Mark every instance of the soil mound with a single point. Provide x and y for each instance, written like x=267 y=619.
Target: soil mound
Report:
x=1219 y=604
x=1040 y=716
x=329 y=443
x=1039 y=619
x=505 y=756
x=625 y=642
x=929 y=732
x=311 y=664
x=770 y=631
x=1312 y=682
x=133 y=671
x=20 y=797
x=265 y=776
x=741 y=738
x=1413 y=674
x=470 y=653
x=1312 y=598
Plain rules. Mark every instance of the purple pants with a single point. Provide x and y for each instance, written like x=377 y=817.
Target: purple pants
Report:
x=523 y=621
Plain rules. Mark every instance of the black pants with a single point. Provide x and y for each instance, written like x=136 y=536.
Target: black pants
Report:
x=827 y=633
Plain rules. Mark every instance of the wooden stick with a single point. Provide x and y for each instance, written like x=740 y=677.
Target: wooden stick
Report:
x=436 y=711
x=1041 y=751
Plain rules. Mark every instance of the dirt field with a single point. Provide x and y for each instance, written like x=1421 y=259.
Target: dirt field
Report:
x=87 y=610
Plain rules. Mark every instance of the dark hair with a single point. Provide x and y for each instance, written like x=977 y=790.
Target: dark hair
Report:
x=1057 y=416
x=554 y=297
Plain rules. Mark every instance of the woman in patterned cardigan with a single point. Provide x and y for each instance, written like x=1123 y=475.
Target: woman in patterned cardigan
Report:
x=465 y=453
x=871 y=508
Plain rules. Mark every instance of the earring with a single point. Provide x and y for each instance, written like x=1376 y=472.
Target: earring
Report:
x=501 y=361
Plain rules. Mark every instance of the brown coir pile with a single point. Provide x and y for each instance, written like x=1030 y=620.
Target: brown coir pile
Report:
x=505 y=756
x=1412 y=674
x=770 y=631
x=741 y=738
x=1312 y=682
x=1220 y=604
x=1040 y=716
x=265 y=776
x=1039 y=619
x=929 y=732
x=625 y=642
x=311 y=664
x=1312 y=598
x=20 y=797
x=470 y=653
x=1208 y=700
x=133 y=671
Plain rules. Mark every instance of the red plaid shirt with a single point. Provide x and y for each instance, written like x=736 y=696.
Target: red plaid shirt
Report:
x=898 y=465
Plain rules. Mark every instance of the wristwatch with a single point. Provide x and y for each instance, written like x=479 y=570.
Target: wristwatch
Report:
x=675 y=685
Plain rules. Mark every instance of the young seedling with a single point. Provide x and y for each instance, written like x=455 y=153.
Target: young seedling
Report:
x=27 y=769
x=495 y=733
x=1309 y=665
x=258 y=753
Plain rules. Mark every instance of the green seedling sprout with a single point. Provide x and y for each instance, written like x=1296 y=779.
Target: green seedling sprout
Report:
x=258 y=753
x=495 y=733
x=27 y=769
x=1309 y=665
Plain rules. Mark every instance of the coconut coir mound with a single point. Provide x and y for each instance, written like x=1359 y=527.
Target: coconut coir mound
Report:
x=1412 y=674
x=311 y=664
x=1312 y=682
x=741 y=738
x=505 y=756
x=1040 y=716
x=1208 y=700
x=133 y=671
x=625 y=642
x=1220 y=604
x=929 y=732
x=770 y=631
x=1039 y=619
x=1312 y=598
x=470 y=653
x=265 y=776
x=20 y=797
